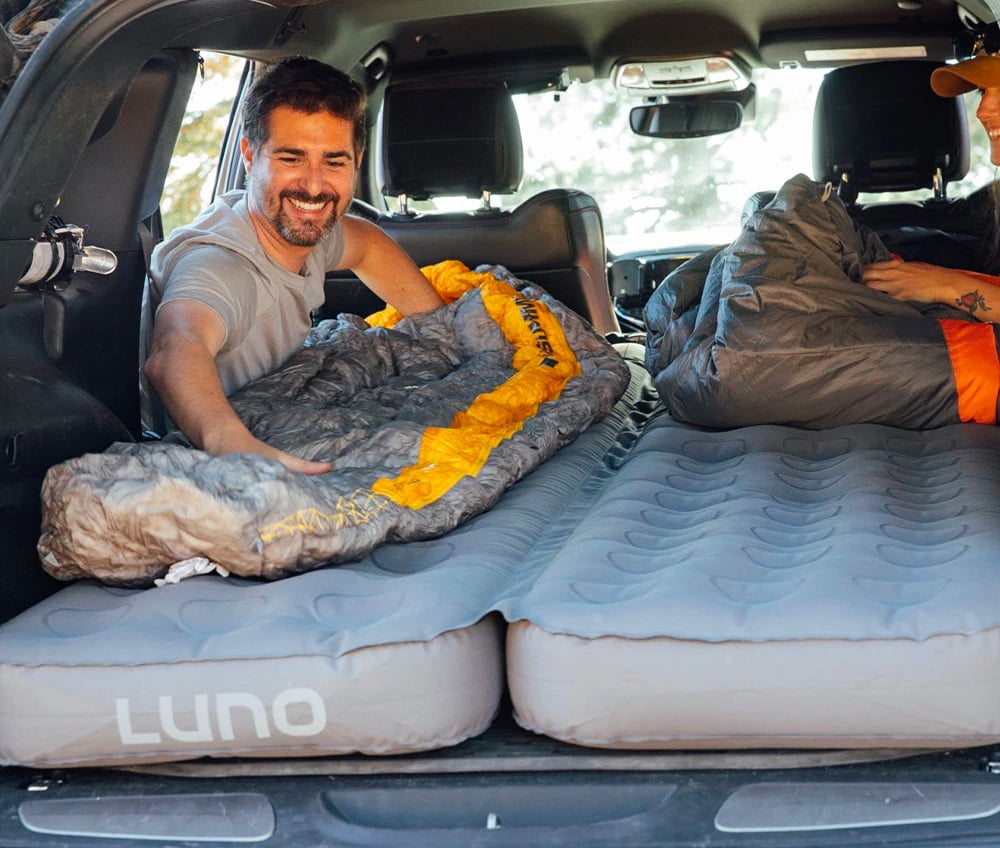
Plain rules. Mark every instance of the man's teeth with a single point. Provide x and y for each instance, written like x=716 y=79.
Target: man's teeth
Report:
x=306 y=207
x=994 y=134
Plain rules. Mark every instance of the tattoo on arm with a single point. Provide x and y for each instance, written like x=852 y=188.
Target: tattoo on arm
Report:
x=972 y=302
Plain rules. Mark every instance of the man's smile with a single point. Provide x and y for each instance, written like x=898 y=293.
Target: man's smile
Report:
x=309 y=205
x=306 y=207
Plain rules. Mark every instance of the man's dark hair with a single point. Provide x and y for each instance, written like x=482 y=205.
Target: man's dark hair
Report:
x=307 y=86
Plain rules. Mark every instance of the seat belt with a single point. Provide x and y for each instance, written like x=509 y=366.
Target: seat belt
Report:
x=152 y=418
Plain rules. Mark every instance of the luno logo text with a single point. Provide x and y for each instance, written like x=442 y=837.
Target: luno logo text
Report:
x=214 y=717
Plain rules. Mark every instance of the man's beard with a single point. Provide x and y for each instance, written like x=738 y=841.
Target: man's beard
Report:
x=304 y=233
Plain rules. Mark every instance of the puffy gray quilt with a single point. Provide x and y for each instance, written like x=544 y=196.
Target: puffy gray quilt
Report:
x=426 y=424
x=777 y=328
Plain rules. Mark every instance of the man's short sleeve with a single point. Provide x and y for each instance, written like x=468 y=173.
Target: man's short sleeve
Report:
x=205 y=274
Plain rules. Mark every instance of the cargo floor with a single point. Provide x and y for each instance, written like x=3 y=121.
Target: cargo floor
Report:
x=507 y=787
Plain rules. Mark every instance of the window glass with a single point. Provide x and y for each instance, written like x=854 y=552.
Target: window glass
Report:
x=191 y=177
x=679 y=192
x=665 y=192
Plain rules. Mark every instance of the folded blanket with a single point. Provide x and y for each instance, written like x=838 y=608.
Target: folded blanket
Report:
x=777 y=328
x=426 y=423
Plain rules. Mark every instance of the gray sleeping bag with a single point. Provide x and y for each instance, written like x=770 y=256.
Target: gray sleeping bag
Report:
x=778 y=328
x=426 y=424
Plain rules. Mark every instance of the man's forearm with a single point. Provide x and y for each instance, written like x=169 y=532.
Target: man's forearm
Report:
x=186 y=379
x=181 y=368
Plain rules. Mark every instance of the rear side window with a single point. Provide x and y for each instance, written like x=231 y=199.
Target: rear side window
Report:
x=192 y=175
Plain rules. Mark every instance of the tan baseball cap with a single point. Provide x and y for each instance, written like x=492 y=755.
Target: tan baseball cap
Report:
x=978 y=72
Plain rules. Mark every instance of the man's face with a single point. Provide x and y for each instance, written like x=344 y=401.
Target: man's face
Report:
x=302 y=177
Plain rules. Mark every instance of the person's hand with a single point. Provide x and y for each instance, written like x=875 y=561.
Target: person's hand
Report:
x=918 y=281
x=181 y=367
x=244 y=442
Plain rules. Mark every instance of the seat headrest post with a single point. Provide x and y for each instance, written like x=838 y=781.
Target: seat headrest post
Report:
x=846 y=190
x=940 y=186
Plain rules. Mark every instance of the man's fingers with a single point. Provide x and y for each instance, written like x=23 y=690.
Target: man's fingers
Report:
x=304 y=466
x=245 y=442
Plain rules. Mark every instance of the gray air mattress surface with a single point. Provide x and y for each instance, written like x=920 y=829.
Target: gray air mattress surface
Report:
x=663 y=586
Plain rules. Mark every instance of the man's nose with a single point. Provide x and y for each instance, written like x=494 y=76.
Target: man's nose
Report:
x=313 y=178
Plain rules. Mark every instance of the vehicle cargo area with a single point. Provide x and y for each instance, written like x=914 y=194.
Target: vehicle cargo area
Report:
x=718 y=564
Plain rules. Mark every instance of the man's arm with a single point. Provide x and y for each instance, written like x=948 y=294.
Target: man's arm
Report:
x=385 y=268
x=977 y=294
x=181 y=368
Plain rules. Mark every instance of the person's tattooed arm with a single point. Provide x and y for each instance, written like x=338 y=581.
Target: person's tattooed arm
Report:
x=921 y=282
x=974 y=302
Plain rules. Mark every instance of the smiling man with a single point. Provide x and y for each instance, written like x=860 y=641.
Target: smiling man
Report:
x=235 y=290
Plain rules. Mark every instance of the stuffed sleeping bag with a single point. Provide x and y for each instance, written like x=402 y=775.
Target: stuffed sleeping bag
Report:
x=426 y=419
x=777 y=328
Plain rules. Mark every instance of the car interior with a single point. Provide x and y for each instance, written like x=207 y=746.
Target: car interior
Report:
x=771 y=625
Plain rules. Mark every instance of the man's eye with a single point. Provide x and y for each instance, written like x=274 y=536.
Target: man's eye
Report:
x=288 y=160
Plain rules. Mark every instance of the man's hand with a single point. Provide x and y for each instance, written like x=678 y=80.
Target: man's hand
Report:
x=237 y=439
x=181 y=367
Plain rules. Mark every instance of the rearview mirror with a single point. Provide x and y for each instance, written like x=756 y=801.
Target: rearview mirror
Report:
x=686 y=118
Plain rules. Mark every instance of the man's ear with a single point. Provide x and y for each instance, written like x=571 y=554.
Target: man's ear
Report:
x=358 y=159
x=246 y=151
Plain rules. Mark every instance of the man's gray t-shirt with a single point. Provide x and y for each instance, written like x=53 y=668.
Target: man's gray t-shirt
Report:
x=219 y=261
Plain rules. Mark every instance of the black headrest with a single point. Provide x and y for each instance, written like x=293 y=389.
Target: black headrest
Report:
x=455 y=140
x=881 y=124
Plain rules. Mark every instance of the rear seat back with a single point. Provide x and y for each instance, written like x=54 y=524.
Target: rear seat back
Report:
x=462 y=139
